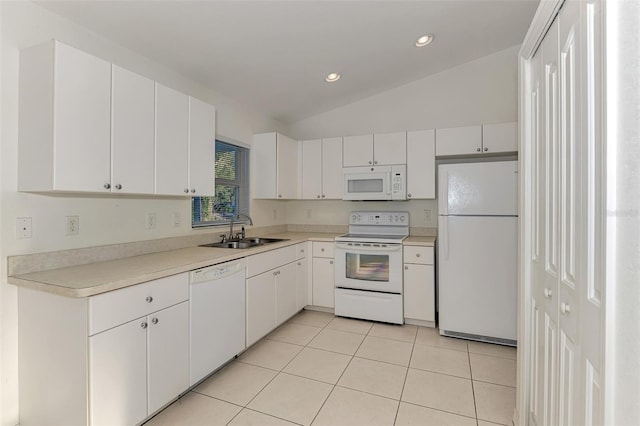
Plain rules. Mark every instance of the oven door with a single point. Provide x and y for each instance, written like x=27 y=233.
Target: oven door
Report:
x=369 y=266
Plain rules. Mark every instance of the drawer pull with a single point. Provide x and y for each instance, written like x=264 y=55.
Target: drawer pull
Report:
x=149 y=299
x=154 y=320
x=331 y=262
x=143 y=325
x=417 y=254
x=406 y=268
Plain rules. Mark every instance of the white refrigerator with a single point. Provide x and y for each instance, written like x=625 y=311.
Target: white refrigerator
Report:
x=477 y=250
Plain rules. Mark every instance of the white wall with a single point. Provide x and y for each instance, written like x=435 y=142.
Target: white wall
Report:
x=103 y=219
x=478 y=92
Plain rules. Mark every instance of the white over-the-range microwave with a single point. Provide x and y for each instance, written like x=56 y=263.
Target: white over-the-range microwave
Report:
x=370 y=183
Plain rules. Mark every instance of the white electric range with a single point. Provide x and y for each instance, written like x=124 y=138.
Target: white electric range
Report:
x=368 y=267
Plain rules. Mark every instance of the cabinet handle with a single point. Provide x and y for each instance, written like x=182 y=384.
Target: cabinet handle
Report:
x=299 y=264
x=409 y=195
x=118 y=186
x=406 y=268
x=154 y=320
x=301 y=250
x=370 y=162
x=547 y=293
x=417 y=254
x=486 y=149
x=107 y=186
x=375 y=162
x=186 y=190
x=331 y=262
x=565 y=309
x=149 y=299
x=317 y=196
x=143 y=325
x=279 y=195
x=321 y=249
x=478 y=149
x=322 y=195
x=193 y=190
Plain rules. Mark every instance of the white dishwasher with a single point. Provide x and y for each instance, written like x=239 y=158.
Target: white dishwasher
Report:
x=217 y=317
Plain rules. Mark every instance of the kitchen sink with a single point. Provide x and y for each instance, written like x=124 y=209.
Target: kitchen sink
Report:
x=245 y=243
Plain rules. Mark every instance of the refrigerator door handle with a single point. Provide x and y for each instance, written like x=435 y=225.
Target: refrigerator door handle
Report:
x=445 y=238
x=443 y=189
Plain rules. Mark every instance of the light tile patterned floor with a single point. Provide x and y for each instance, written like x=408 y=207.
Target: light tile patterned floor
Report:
x=318 y=369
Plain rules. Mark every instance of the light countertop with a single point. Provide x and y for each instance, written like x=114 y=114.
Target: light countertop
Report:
x=99 y=277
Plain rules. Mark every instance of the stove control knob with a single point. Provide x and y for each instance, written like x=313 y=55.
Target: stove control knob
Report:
x=353 y=217
x=401 y=218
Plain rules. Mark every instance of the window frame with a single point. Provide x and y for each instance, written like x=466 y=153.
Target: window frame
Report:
x=242 y=182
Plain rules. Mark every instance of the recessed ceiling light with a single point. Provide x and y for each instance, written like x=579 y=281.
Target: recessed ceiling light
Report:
x=424 y=40
x=334 y=76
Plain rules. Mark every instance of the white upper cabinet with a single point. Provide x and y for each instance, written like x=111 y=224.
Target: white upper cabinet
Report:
x=501 y=137
x=390 y=148
x=132 y=132
x=322 y=169
x=357 y=151
x=64 y=120
x=275 y=167
x=421 y=164
x=332 y=182
x=380 y=149
x=459 y=141
x=312 y=169
x=202 y=142
x=474 y=140
x=172 y=141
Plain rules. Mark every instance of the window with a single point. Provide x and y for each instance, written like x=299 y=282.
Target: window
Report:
x=231 y=188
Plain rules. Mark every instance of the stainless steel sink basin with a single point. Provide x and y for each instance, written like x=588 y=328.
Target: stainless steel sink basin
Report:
x=245 y=243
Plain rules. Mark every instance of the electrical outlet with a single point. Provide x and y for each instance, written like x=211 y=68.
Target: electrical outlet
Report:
x=23 y=228
x=427 y=215
x=176 y=219
x=73 y=225
x=151 y=221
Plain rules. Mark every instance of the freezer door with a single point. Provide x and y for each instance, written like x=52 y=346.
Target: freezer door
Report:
x=483 y=189
x=477 y=275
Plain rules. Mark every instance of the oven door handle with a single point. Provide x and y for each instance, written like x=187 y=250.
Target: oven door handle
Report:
x=388 y=248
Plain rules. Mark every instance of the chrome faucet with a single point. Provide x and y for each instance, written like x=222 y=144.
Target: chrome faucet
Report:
x=231 y=222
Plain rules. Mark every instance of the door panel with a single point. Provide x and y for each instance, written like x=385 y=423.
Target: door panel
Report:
x=312 y=169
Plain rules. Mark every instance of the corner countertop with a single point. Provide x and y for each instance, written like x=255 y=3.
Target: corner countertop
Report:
x=100 y=277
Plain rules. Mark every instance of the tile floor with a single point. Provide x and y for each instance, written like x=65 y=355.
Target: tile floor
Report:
x=318 y=369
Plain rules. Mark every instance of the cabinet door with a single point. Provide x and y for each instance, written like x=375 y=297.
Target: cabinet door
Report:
x=301 y=283
x=390 y=148
x=202 y=143
x=172 y=145
x=82 y=117
x=421 y=165
x=312 y=151
x=419 y=292
x=501 y=137
x=286 y=292
x=332 y=180
x=261 y=306
x=323 y=282
x=459 y=141
x=132 y=132
x=168 y=355
x=287 y=168
x=118 y=375
x=264 y=166
x=357 y=150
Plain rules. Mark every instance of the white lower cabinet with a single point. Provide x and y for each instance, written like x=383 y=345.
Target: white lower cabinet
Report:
x=261 y=307
x=323 y=282
x=272 y=291
x=419 y=284
x=138 y=367
x=286 y=292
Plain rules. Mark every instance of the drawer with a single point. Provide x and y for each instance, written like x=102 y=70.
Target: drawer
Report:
x=266 y=261
x=323 y=249
x=418 y=254
x=301 y=251
x=116 y=307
